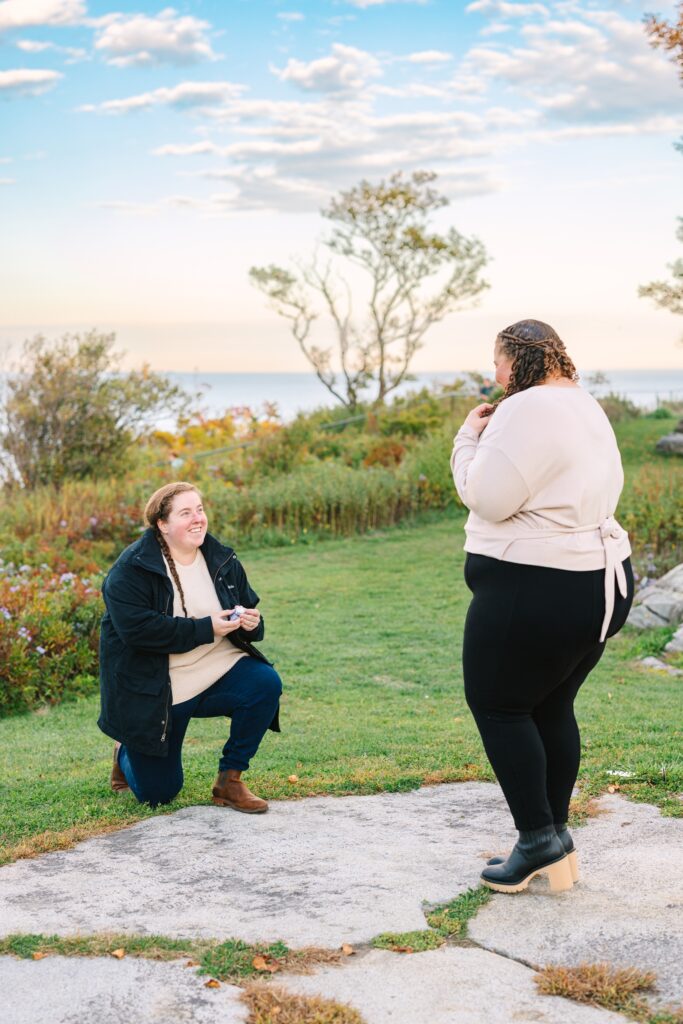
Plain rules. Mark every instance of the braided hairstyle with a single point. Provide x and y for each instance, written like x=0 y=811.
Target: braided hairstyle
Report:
x=536 y=352
x=159 y=508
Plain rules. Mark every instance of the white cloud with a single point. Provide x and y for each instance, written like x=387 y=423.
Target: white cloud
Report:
x=33 y=46
x=380 y=3
x=139 y=40
x=185 y=95
x=429 y=57
x=345 y=70
x=504 y=9
x=8 y=181
x=290 y=16
x=22 y=13
x=27 y=81
x=597 y=67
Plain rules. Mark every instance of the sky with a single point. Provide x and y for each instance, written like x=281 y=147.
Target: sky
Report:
x=150 y=155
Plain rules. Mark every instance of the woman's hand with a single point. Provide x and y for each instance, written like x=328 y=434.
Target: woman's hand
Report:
x=221 y=624
x=478 y=418
x=249 y=619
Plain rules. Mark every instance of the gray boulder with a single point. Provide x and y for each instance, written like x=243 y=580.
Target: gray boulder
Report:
x=660 y=603
x=672 y=443
x=675 y=644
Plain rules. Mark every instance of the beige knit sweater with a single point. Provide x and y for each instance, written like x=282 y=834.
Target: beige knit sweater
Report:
x=542 y=483
x=198 y=669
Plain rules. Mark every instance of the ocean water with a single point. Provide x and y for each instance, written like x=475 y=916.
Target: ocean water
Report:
x=295 y=392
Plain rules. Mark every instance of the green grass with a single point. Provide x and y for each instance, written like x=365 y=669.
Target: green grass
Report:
x=366 y=633
x=409 y=942
x=450 y=919
x=231 y=960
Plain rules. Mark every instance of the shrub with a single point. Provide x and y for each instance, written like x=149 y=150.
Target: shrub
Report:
x=618 y=408
x=48 y=636
x=69 y=413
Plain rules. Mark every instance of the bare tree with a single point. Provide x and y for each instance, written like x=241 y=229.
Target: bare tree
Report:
x=668 y=294
x=383 y=230
x=667 y=35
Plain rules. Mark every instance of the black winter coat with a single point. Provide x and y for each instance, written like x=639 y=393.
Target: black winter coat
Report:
x=139 y=631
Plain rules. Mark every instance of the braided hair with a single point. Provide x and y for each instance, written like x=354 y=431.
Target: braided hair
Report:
x=536 y=352
x=159 y=508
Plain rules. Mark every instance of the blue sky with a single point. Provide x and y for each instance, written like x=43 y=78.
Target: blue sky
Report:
x=150 y=155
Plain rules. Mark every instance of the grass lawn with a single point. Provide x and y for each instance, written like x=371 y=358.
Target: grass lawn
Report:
x=366 y=633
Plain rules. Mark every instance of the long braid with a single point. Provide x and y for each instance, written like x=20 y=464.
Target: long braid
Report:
x=172 y=566
x=537 y=352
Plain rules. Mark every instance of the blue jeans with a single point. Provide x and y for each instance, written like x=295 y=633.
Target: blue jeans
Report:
x=249 y=694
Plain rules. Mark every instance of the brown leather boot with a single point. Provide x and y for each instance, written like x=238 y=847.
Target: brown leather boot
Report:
x=230 y=791
x=117 y=778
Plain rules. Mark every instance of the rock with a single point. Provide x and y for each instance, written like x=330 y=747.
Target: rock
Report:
x=667 y=605
x=675 y=644
x=672 y=444
x=320 y=871
x=660 y=603
x=641 y=618
x=69 y=990
x=625 y=909
x=660 y=666
x=444 y=986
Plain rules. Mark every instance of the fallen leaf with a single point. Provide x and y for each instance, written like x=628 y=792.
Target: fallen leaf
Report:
x=274 y=1010
x=403 y=949
x=609 y=695
x=212 y=983
x=347 y=950
x=293 y=778
x=118 y=953
x=259 y=963
x=613 y=788
x=39 y=956
x=192 y=963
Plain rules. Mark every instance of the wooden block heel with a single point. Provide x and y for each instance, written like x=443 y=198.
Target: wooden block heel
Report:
x=559 y=876
x=573 y=865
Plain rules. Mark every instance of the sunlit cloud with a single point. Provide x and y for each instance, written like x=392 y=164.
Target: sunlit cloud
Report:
x=139 y=40
x=346 y=69
x=27 y=82
x=24 y=13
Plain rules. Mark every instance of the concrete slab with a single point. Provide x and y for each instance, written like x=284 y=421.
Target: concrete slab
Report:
x=451 y=985
x=626 y=908
x=67 y=990
x=318 y=871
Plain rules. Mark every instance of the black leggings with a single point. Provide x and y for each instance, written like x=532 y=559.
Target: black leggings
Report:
x=531 y=638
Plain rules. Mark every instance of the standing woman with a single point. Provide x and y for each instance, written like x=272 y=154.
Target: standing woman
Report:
x=177 y=643
x=541 y=474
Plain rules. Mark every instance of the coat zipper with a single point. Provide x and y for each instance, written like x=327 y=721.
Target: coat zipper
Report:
x=168 y=691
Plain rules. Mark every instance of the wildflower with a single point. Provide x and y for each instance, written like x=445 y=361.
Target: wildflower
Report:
x=41 y=650
x=67 y=577
x=93 y=520
x=24 y=568
x=5 y=612
x=62 y=522
x=24 y=633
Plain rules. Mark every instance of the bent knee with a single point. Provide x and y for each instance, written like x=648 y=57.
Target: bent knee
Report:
x=270 y=684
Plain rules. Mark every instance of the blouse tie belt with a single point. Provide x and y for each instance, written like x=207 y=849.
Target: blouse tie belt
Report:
x=610 y=532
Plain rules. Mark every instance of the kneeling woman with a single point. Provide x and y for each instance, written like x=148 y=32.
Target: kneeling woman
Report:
x=177 y=643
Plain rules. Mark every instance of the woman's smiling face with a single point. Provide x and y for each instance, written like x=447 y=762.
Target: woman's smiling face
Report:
x=185 y=527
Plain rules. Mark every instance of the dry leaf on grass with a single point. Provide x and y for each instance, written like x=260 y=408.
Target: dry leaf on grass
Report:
x=212 y=983
x=39 y=956
x=347 y=950
x=293 y=778
x=192 y=963
x=118 y=953
x=260 y=963
x=402 y=949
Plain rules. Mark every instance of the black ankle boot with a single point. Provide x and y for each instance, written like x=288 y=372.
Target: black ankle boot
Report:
x=538 y=851
x=563 y=834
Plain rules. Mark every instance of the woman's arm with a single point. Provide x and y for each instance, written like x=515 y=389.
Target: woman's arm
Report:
x=128 y=599
x=486 y=480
